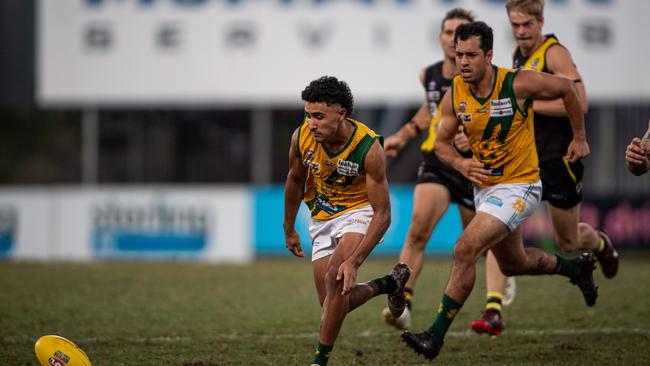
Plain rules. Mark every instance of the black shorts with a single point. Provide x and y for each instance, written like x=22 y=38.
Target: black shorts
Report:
x=432 y=170
x=561 y=182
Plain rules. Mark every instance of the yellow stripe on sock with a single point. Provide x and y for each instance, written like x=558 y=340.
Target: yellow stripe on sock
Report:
x=493 y=306
x=601 y=245
x=408 y=296
x=496 y=294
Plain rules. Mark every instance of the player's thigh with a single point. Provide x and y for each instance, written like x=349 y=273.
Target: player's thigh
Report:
x=483 y=232
x=430 y=202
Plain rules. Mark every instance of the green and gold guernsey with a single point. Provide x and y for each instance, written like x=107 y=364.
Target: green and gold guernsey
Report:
x=500 y=134
x=336 y=182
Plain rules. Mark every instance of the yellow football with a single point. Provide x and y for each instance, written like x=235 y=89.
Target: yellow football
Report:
x=52 y=350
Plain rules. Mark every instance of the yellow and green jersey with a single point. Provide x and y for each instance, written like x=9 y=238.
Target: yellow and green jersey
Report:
x=500 y=134
x=336 y=182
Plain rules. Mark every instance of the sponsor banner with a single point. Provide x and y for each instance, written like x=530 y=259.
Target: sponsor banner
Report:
x=269 y=235
x=8 y=228
x=111 y=52
x=625 y=220
x=130 y=223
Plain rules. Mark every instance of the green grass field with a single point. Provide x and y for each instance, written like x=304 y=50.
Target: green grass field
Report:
x=266 y=313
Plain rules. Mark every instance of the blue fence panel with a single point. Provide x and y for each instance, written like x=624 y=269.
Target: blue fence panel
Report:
x=269 y=236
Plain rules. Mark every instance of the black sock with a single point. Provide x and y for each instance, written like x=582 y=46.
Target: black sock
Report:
x=386 y=284
x=322 y=354
x=567 y=267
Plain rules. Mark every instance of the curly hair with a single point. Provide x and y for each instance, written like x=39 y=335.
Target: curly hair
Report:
x=329 y=90
x=478 y=29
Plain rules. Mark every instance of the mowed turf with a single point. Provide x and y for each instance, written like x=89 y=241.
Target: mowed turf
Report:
x=266 y=313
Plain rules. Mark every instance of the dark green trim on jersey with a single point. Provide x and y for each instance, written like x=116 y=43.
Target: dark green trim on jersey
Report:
x=505 y=122
x=494 y=83
x=508 y=83
x=331 y=154
x=358 y=156
x=298 y=139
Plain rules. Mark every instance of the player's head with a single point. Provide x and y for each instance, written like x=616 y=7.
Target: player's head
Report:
x=452 y=20
x=473 y=50
x=526 y=20
x=328 y=102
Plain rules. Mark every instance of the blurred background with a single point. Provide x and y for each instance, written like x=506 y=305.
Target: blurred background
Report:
x=159 y=129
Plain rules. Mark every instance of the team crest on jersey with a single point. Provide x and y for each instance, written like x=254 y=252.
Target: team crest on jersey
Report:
x=347 y=168
x=309 y=161
x=462 y=106
x=464 y=117
x=534 y=64
x=501 y=107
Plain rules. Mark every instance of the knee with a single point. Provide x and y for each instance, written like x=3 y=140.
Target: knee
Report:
x=330 y=277
x=466 y=252
x=567 y=242
x=418 y=236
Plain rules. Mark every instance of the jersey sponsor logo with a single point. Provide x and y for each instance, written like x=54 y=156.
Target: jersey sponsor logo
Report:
x=347 y=168
x=325 y=206
x=501 y=107
x=501 y=103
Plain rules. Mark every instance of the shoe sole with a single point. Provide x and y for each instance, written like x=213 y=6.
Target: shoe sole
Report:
x=414 y=346
x=481 y=327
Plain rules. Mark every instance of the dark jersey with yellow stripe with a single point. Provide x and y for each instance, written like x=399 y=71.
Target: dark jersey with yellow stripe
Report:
x=552 y=134
x=336 y=182
x=435 y=86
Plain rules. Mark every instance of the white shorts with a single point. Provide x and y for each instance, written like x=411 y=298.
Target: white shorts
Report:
x=512 y=203
x=325 y=234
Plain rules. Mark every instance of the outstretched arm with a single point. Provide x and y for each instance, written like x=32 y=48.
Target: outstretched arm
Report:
x=377 y=187
x=294 y=191
x=560 y=63
x=447 y=130
x=536 y=85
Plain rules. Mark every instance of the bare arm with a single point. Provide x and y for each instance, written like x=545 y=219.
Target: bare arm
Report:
x=418 y=124
x=447 y=130
x=636 y=157
x=294 y=191
x=560 y=63
x=536 y=85
x=377 y=187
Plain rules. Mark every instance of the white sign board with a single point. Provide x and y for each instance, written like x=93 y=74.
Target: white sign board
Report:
x=126 y=223
x=254 y=52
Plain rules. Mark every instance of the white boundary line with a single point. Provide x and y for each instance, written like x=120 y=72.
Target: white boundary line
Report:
x=366 y=334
